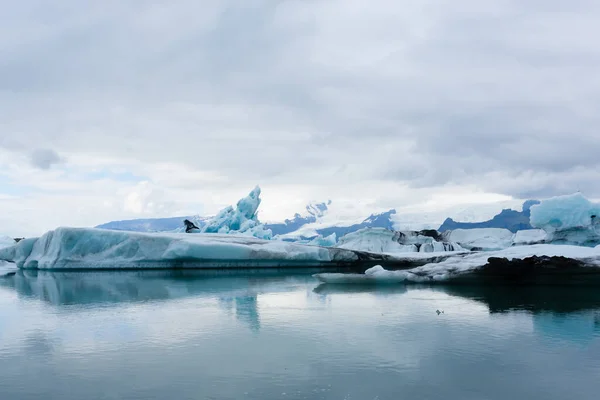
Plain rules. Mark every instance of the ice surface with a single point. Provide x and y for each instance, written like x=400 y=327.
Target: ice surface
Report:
x=481 y=238
x=6 y=241
x=565 y=212
x=461 y=264
x=570 y=219
x=98 y=248
x=240 y=220
x=529 y=236
x=327 y=241
x=376 y=241
x=380 y=240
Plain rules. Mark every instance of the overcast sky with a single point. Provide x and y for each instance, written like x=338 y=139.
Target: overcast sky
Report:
x=118 y=109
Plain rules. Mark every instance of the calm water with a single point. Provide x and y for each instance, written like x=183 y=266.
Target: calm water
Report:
x=175 y=336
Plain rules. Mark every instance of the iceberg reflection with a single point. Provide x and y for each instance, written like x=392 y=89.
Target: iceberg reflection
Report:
x=88 y=288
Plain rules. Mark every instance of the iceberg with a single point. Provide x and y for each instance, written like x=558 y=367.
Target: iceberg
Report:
x=90 y=248
x=314 y=212
x=381 y=240
x=97 y=287
x=240 y=220
x=319 y=240
x=327 y=241
x=481 y=238
x=570 y=219
x=565 y=212
x=6 y=268
x=522 y=264
x=529 y=236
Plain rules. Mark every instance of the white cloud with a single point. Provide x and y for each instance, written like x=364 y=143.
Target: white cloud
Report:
x=382 y=103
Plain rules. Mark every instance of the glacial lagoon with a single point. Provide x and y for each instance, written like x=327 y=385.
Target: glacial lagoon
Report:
x=283 y=335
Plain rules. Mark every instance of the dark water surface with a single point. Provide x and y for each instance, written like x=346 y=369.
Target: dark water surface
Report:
x=186 y=335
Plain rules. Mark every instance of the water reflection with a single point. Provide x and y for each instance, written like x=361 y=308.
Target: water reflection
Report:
x=235 y=293
x=89 y=288
x=238 y=293
x=245 y=308
x=173 y=334
x=535 y=299
x=566 y=313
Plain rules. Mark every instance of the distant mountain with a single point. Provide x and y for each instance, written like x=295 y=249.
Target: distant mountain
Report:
x=314 y=210
x=507 y=219
x=301 y=223
x=381 y=220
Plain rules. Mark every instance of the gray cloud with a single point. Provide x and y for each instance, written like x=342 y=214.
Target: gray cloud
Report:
x=425 y=93
x=44 y=158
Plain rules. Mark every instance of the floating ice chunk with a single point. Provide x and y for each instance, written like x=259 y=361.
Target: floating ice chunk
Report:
x=374 y=270
x=529 y=236
x=381 y=240
x=481 y=238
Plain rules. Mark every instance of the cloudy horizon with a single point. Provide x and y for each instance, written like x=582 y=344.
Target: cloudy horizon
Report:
x=141 y=109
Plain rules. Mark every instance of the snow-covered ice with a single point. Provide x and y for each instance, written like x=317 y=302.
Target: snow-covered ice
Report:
x=6 y=241
x=327 y=241
x=99 y=248
x=481 y=238
x=457 y=265
x=529 y=236
x=381 y=240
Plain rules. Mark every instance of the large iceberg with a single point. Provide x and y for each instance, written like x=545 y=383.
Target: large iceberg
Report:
x=88 y=248
x=381 y=240
x=570 y=219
